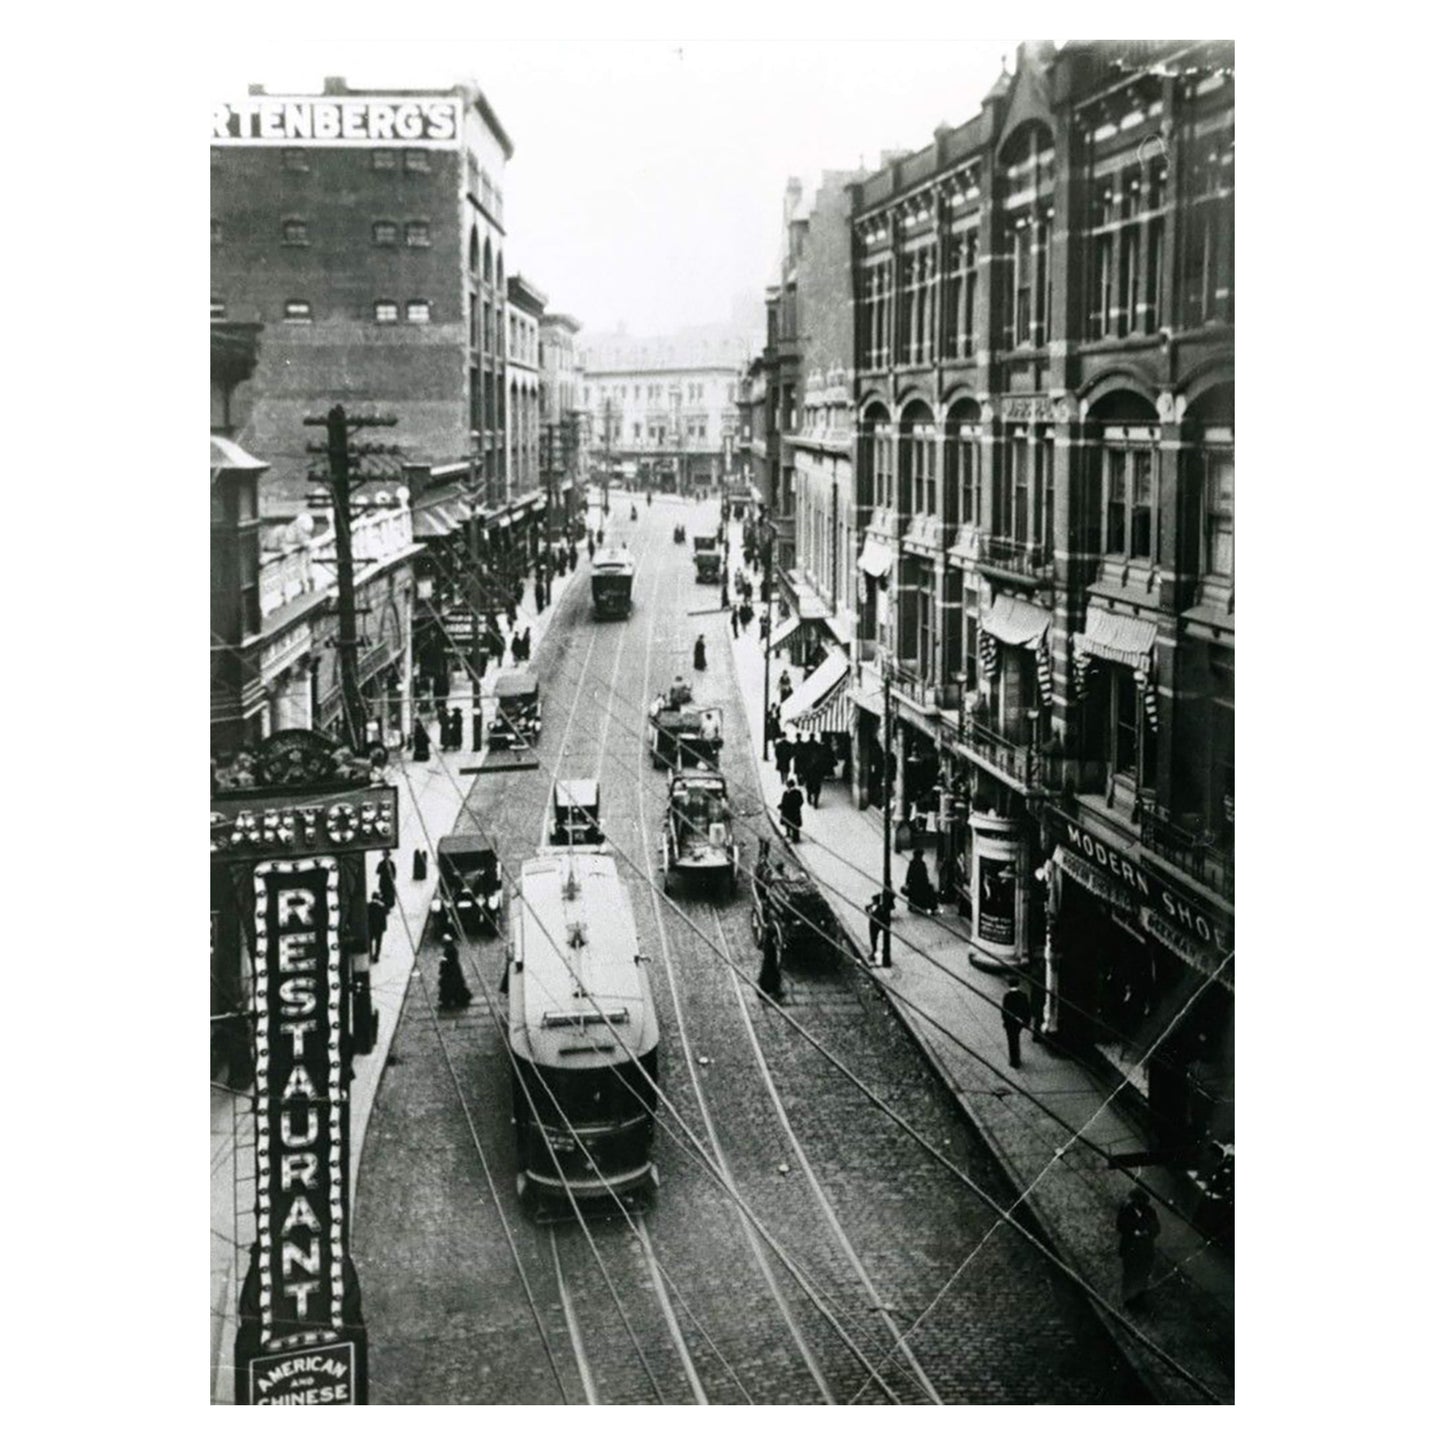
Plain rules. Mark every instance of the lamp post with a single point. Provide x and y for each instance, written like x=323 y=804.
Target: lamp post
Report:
x=887 y=810
x=765 y=541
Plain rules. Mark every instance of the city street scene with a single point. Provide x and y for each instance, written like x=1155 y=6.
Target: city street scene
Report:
x=722 y=767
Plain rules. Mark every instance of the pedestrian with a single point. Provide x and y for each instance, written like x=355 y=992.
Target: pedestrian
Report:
x=511 y=611
x=526 y=644
x=539 y=595
x=386 y=879
x=420 y=743
x=572 y=556
x=375 y=924
x=1138 y=1227
x=1017 y=1011
x=745 y=615
x=591 y=547
x=817 y=763
x=783 y=751
x=791 y=810
x=699 y=654
x=918 y=887
x=770 y=978
x=516 y=648
x=733 y=619
x=764 y=627
x=452 y=990
x=785 y=686
x=456 y=727
x=880 y=915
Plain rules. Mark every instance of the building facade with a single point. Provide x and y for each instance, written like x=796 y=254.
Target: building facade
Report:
x=564 y=443
x=365 y=231
x=1045 y=502
x=525 y=305
x=663 y=409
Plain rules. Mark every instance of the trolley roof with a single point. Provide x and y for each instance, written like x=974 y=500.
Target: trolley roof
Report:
x=613 y=559
x=581 y=999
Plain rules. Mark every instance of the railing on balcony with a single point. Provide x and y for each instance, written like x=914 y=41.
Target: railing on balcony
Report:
x=1020 y=761
x=1029 y=560
x=1192 y=850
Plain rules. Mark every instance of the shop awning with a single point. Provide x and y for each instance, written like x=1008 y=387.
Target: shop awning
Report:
x=1097 y=883
x=1016 y=622
x=1114 y=638
x=875 y=558
x=781 y=634
x=868 y=697
x=816 y=689
x=226 y=456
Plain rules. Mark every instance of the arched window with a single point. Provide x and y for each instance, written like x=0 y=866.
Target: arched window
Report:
x=474 y=255
x=1124 y=433
x=917 y=462
x=873 y=467
x=487 y=262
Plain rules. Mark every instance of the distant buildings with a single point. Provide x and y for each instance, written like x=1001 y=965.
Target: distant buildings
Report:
x=663 y=409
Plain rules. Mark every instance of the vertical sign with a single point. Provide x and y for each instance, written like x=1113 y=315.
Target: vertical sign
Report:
x=301 y=1111
x=996 y=877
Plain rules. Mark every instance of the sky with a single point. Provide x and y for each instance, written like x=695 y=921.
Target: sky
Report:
x=647 y=183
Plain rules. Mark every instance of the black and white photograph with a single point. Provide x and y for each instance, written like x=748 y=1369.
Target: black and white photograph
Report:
x=722 y=722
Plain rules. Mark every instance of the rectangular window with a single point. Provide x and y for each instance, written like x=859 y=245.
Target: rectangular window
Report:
x=418 y=233
x=294 y=233
x=385 y=311
x=1044 y=257
x=970 y=292
x=294 y=159
x=298 y=311
x=384 y=233
x=418 y=161
x=1022 y=267
x=383 y=160
x=1019 y=480
x=1046 y=486
x=1125 y=701
x=1116 y=485
x=1219 y=514
x=1102 y=291
x=1131 y=294
x=418 y=311
x=1141 y=518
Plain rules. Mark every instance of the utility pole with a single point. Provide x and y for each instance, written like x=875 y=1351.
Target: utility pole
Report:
x=607 y=453
x=765 y=539
x=474 y=556
x=339 y=453
x=887 y=813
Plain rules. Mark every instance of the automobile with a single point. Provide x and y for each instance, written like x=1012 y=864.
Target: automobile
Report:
x=788 y=904
x=576 y=812
x=469 y=884
x=697 y=829
x=518 y=720
x=683 y=736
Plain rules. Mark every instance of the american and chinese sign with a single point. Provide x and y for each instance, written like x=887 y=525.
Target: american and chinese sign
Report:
x=349 y=821
x=322 y=1375
x=360 y=120
x=301 y=1111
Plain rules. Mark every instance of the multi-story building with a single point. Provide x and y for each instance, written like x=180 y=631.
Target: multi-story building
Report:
x=1045 y=482
x=364 y=230
x=525 y=305
x=663 y=409
x=564 y=455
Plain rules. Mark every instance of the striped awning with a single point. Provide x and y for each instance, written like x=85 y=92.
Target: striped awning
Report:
x=833 y=715
x=816 y=689
x=1016 y=622
x=781 y=634
x=1115 y=638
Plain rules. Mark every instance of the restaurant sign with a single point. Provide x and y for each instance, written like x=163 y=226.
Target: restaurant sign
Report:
x=316 y=1375
x=301 y=1110
x=349 y=821
x=1181 y=914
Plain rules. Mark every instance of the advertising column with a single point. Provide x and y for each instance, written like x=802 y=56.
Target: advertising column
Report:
x=1000 y=897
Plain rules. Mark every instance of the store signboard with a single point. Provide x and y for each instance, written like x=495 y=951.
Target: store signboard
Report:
x=430 y=122
x=289 y=824
x=301 y=1109
x=315 y=1375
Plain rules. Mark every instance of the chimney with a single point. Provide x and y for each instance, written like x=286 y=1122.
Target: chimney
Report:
x=334 y=85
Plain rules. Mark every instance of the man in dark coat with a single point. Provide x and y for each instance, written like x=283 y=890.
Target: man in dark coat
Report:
x=420 y=743
x=783 y=751
x=539 y=595
x=1017 y=1013
x=918 y=887
x=733 y=619
x=591 y=547
x=785 y=686
x=1138 y=1227
x=770 y=978
x=791 y=811
x=572 y=556
x=817 y=764
x=699 y=654
x=456 y=727
x=452 y=987
x=386 y=879
x=880 y=915
x=375 y=924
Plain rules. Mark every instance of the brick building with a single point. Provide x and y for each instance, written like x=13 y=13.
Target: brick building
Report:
x=564 y=446
x=1045 y=489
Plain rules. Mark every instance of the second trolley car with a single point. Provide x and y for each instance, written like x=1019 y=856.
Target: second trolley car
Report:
x=583 y=1033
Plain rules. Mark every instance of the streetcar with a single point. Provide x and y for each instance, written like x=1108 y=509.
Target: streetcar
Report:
x=612 y=573
x=707 y=557
x=583 y=1034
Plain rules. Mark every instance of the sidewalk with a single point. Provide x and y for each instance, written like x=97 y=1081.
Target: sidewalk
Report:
x=437 y=805
x=1073 y=1196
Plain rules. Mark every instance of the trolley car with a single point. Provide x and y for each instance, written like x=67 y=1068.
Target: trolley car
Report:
x=583 y=1033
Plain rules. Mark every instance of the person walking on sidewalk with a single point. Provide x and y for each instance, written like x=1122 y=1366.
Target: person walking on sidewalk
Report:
x=783 y=751
x=1138 y=1227
x=699 y=654
x=770 y=978
x=918 y=887
x=386 y=879
x=1017 y=1012
x=880 y=914
x=375 y=924
x=591 y=547
x=420 y=743
x=452 y=990
x=733 y=619
x=791 y=811
x=785 y=686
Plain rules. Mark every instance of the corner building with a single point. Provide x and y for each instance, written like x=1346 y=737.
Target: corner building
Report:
x=1044 y=307
x=364 y=230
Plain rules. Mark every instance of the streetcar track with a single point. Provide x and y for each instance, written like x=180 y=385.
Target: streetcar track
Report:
x=720 y=1161
x=825 y=1205
x=589 y=1388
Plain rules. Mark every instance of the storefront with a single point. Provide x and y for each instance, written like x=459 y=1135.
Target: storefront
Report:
x=1140 y=967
